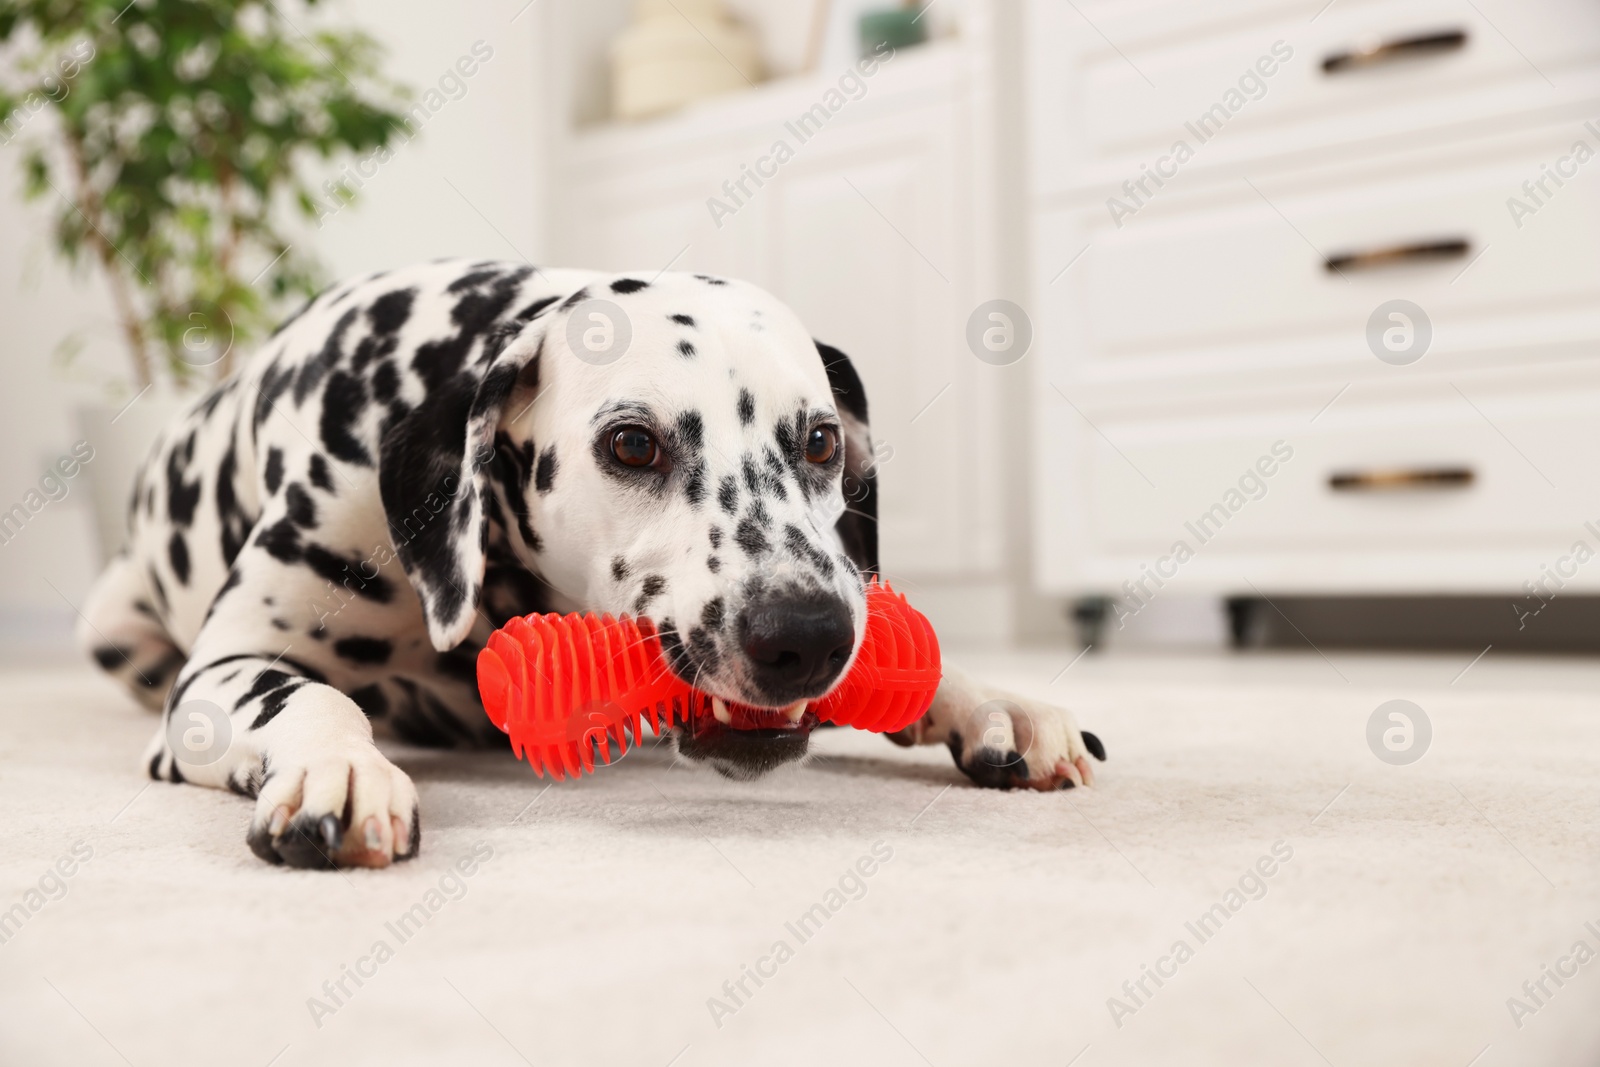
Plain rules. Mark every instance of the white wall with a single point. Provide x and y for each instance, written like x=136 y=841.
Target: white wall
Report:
x=485 y=144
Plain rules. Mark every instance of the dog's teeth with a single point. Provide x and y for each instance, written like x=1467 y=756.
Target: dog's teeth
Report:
x=720 y=710
x=795 y=710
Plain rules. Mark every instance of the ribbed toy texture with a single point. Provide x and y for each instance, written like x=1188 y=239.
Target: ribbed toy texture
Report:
x=562 y=687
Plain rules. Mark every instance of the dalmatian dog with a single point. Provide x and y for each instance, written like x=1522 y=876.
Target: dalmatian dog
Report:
x=322 y=544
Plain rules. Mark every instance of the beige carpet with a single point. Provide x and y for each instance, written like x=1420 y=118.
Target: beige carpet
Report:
x=1404 y=907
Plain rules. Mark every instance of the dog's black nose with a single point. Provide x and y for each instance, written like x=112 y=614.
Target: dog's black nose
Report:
x=797 y=646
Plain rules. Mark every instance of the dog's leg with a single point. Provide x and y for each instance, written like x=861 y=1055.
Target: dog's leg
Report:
x=1001 y=740
x=120 y=628
x=268 y=722
x=325 y=796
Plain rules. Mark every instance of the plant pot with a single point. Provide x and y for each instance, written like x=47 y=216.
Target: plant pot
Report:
x=121 y=437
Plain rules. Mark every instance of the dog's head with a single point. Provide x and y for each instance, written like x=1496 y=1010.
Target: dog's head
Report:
x=680 y=449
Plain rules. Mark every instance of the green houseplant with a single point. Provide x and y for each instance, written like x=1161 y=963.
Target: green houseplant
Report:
x=176 y=147
x=173 y=143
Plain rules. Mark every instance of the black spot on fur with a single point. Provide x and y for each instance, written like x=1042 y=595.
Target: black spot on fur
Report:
x=544 y=477
x=281 y=540
x=747 y=408
x=343 y=402
x=686 y=349
x=313 y=370
x=266 y=682
x=795 y=540
x=182 y=496
x=683 y=320
x=234 y=522
x=302 y=509
x=390 y=311
x=178 y=556
x=728 y=495
x=704 y=649
x=711 y=616
x=695 y=488
x=472 y=280
x=385 y=382
x=691 y=430
x=273 y=703
x=365 y=650
x=371 y=701
x=713 y=564
x=349 y=573
x=619 y=568
x=532 y=311
x=273 y=474
x=716 y=537
x=648 y=591
x=772 y=475
x=474 y=314
x=274 y=382
x=575 y=299
x=749 y=537
x=628 y=285
x=710 y=280
x=320 y=475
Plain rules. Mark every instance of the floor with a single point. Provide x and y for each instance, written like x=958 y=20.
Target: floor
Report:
x=1248 y=884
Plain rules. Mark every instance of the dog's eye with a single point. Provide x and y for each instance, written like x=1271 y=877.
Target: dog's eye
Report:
x=822 y=444
x=635 y=447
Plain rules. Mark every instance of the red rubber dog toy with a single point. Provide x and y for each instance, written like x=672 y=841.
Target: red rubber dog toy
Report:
x=560 y=686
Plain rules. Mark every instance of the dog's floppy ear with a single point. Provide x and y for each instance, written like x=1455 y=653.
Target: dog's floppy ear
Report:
x=858 y=526
x=434 y=476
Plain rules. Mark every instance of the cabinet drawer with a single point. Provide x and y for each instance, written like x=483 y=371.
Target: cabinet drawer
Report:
x=1251 y=268
x=1439 y=470
x=1410 y=69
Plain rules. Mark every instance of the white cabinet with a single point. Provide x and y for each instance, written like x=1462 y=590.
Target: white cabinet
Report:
x=1201 y=323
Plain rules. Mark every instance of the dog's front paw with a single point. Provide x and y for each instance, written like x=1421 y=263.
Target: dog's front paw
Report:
x=350 y=808
x=1010 y=742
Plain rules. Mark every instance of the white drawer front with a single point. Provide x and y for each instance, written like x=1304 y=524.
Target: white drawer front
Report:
x=1123 y=114
x=1259 y=87
x=1251 y=270
x=1529 y=476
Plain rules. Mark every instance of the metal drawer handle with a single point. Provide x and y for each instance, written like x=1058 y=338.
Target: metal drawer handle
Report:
x=1379 y=52
x=1398 y=255
x=1401 y=478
